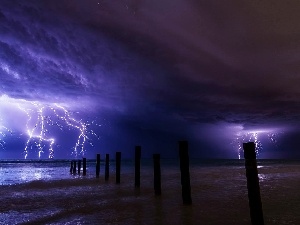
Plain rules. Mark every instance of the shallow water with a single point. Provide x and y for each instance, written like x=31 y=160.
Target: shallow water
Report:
x=46 y=193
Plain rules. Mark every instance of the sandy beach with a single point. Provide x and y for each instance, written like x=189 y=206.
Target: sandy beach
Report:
x=219 y=195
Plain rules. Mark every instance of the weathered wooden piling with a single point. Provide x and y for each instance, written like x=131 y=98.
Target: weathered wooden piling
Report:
x=157 y=174
x=79 y=166
x=256 y=212
x=106 y=167
x=185 y=172
x=71 y=167
x=98 y=166
x=74 y=167
x=137 y=164
x=84 y=166
x=118 y=167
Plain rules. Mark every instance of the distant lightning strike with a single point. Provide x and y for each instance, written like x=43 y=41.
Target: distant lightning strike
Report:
x=37 y=133
x=253 y=136
x=3 y=135
x=77 y=124
x=66 y=118
x=248 y=137
x=3 y=131
x=40 y=117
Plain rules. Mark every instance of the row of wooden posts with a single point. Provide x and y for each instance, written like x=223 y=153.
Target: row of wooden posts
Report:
x=156 y=161
x=74 y=169
x=255 y=204
x=184 y=168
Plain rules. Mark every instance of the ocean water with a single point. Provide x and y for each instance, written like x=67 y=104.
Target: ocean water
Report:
x=44 y=192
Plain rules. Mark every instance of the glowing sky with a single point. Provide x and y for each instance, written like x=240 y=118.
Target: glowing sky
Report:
x=150 y=72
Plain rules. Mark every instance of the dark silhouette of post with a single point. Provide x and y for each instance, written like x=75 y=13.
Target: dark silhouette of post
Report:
x=79 y=166
x=74 y=167
x=98 y=166
x=118 y=167
x=185 y=172
x=157 y=174
x=137 y=164
x=84 y=166
x=106 y=167
x=256 y=212
x=71 y=168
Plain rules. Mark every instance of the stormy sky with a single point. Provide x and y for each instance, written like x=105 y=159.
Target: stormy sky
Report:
x=150 y=73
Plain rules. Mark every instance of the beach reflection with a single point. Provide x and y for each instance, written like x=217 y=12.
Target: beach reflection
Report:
x=219 y=194
x=262 y=177
x=29 y=174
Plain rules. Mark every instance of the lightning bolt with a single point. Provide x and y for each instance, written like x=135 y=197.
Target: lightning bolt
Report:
x=3 y=131
x=37 y=133
x=77 y=124
x=40 y=117
x=254 y=137
x=2 y=135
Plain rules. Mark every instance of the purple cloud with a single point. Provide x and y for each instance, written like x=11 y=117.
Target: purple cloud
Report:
x=158 y=64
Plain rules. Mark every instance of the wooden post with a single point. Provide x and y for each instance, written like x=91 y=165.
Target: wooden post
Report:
x=71 y=168
x=118 y=167
x=79 y=166
x=84 y=166
x=74 y=167
x=137 y=164
x=157 y=174
x=98 y=166
x=106 y=167
x=256 y=212
x=185 y=172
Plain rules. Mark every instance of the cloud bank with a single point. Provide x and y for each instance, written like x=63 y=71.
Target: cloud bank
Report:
x=165 y=68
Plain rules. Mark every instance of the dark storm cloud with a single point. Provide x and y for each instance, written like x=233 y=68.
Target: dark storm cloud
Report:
x=224 y=58
x=166 y=66
x=54 y=56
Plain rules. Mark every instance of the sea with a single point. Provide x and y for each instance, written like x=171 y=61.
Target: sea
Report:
x=45 y=192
